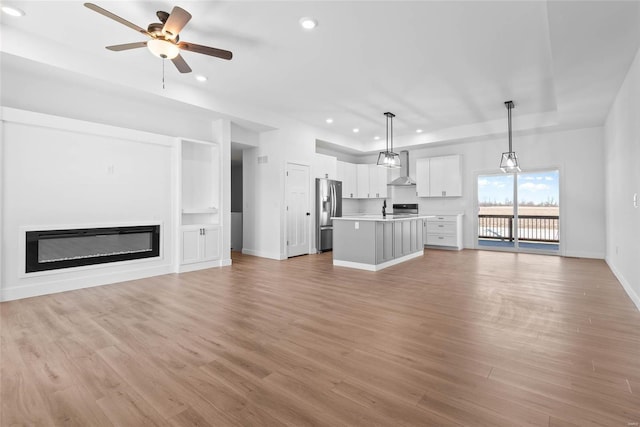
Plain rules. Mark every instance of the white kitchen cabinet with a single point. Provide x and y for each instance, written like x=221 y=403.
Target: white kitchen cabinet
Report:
x=377 y=182
x=422 y=177
x=325 y=166
x=347 y=174
x=444 y=231
x=200 y=243
x=439 y=176
x=362 y=181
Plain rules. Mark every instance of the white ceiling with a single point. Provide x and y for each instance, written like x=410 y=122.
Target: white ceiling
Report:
x=445 y=67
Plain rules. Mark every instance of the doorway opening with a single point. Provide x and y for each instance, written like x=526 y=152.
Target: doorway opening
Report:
x=519 y=212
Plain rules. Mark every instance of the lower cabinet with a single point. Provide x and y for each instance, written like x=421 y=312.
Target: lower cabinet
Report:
x=384 y=242
x=397 y=239
x=200 y=243
x=444 y=231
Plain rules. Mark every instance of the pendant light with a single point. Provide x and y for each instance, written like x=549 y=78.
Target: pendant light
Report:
x=387 y=158
x=509 y=161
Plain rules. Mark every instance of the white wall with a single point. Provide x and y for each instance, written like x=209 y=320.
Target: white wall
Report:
x=578 y=155
x=622 y=168
x=221 y=130
x=65 y=173
x=262 y=186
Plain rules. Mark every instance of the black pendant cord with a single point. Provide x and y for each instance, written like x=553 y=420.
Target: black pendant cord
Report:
x=387 y=134
x=392 y=134
x=509 y=111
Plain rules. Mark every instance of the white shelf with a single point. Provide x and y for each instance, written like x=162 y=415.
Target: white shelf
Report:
x=193 y=211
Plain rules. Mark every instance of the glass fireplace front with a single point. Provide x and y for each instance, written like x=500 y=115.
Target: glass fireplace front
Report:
x=56 y=249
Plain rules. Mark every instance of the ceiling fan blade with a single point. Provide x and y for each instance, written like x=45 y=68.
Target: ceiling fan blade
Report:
x=206 y=50
x=116 y=18
x=176 y=22
x=181 y=64
x=127 y=46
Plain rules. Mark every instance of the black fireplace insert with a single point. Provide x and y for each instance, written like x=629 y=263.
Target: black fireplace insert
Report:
x=56 y=249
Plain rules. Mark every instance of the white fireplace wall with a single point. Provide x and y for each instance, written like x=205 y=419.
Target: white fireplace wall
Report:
x=59 y=171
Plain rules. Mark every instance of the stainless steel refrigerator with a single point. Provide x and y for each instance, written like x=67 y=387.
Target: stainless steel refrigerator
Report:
x=328 y=204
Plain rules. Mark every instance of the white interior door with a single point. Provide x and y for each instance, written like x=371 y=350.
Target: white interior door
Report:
x=298 y=211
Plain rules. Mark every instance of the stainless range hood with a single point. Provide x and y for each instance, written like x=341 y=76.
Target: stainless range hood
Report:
x=404 y=180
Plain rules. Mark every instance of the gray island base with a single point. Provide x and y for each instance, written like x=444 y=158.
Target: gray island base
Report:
x=375 y=242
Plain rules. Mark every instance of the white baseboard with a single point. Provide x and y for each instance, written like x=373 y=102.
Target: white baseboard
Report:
x=635 y=298
x=72 y=284
x=376 y=267
x=580 y=254
x=262 y=254
x=203 y=265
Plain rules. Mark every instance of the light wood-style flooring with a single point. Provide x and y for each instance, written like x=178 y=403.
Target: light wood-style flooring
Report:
x=471 y=338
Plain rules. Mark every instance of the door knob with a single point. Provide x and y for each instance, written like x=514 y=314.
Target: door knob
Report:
x=308 y=214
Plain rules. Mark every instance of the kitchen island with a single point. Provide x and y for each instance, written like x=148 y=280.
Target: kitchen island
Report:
x=374 y=242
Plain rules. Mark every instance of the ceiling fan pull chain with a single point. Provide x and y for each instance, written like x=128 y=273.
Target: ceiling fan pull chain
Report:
x=163 y=74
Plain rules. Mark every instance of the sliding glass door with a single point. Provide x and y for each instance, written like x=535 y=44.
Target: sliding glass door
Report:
x=519 y=211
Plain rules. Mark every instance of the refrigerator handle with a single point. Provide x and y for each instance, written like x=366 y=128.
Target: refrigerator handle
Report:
x=333 y=200
x=331 y=196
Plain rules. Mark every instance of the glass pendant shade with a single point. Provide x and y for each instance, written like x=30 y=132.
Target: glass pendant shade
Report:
x=387 y=158
x=509 y=162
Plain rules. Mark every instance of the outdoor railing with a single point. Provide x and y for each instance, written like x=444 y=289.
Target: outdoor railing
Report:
x=531 y=228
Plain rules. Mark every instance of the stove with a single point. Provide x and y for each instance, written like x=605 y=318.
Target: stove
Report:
x=407 y=209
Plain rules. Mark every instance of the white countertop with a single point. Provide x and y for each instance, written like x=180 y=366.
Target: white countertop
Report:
x=379 y=217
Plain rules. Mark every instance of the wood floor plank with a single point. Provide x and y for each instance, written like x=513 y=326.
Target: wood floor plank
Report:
x=452 y=338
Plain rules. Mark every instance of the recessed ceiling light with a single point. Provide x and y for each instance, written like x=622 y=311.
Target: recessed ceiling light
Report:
x=418 y=130
x=13 y=11
x=356 y=130
x=329 y=120
x=201 y=78
x=376 y=138
x=308 y=23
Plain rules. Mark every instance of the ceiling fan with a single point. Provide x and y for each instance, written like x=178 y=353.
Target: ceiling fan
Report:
x=165 y=41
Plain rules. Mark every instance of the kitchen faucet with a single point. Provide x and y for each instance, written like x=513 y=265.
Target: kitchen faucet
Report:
x=384 y=208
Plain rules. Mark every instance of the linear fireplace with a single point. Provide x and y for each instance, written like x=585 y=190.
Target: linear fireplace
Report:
x=56 y=249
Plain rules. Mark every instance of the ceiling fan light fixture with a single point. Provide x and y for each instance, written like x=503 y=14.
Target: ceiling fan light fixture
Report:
x=163 y=48
x=168 y=34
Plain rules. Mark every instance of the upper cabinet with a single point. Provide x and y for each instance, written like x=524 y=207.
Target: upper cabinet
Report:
x=377 y=182
x=324 y=166
x=439 y=176
x=362 y=180
x=347 y=174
